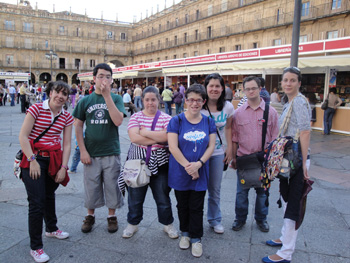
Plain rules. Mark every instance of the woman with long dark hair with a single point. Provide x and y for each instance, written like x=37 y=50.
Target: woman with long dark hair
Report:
x=217 y=108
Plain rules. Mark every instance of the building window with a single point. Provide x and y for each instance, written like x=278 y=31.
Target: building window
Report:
x=223 y=5
x=167 y=24
x=158 y=44
x=196 y=35
x=176 y=22
x=303 y=39
x=77 y=63
x=279 y=11
x=186 y=18
x=167 y=42
x=255 y=45
x=27 y=27
x=209 y=32
x=210 y=10
x=336 y=4
x=195 y=53
x=122 y=36
x=61 y=30
x=160 y=28
x=166 y=58
x=46 y=44
x=9 y=59
x=28 y=43
x=208 y=51
x=185 y=37
x=277 y=42
x=221 y=49
x=158 y=59
x=141 y=61
x=9 y=25
x=174 y=56
x=62 y=63
x=175 y=40
x=332 y=34
x=9 y=42
x=240 y=2
x=109 y=35
x=185 y=55
x=238 y=47
x=78 y=32
x=198 y=14
x=92 y=63
x=305 y=9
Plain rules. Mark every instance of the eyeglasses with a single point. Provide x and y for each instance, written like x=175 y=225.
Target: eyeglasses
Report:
x=251 y=89
x=108 y=77
x=292 y=69
x=199 y=101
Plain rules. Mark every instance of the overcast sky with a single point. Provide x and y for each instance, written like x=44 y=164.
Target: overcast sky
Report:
x=126 y=9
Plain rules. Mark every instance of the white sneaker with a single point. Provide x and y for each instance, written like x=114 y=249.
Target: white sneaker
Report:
x=219 y=229
x=57 y=234
x=130 y=230
x=171 y=231
x=197 y=249
x=184 y=242
x=39 y=255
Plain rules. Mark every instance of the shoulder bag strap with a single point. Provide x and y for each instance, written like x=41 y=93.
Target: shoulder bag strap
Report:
x=47 y=129
x=264 y=127
x=217 y=131
x=149 y=147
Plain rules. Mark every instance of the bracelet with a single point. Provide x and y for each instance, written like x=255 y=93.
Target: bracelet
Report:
x=201 y=162
x=65 y=167
x=31 y=158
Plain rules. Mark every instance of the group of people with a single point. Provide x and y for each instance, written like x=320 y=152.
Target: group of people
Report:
x=188 y=153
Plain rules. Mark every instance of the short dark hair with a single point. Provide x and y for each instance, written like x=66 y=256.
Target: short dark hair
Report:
x=250 y=78
x=293 y=70
x=102 y=66
x=262 y=82
x=221 y=101
x=57 y=86
x=334 y=90
x=198 y=89
x=151 y=89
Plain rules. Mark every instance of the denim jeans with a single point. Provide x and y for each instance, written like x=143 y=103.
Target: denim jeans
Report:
x=76 y=160
x=160 y=191
x=178 y=108
x=138 y=102
x=327 y=120
x=242 y=203
x=168 y=109
x=190 y=206
x=41 y=198
x=216 y=167
x=12 y=99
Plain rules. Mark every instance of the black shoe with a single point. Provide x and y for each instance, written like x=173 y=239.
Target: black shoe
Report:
x=237 y=225
x=263 y=226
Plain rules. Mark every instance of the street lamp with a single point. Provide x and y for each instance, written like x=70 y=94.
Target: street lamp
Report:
x=51 y=55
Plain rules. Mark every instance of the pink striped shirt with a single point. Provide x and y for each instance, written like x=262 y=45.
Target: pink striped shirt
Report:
x=139 y=120
x=43 y=118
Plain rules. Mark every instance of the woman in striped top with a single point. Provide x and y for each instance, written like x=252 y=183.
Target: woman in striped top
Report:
x=44 y=163
x=139 y=130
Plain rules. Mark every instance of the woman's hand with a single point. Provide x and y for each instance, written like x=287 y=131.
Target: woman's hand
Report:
x=306 y=174
x=60 y=175
x=193 y=167
x=228 y=156
x=195 y=176
x=34 y=170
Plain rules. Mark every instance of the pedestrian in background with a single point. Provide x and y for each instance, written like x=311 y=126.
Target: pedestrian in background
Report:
x=333 y=103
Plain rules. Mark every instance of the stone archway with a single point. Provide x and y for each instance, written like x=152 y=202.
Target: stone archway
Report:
x=44 y=77
x=63 y=77
x=117 y=63
x=75 y=79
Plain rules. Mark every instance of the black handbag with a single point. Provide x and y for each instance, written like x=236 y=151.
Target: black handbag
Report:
x=324 y=105
x=250 y=167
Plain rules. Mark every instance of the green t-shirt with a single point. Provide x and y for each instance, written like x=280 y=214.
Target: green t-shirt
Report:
x=167 y=95
x=101 y=135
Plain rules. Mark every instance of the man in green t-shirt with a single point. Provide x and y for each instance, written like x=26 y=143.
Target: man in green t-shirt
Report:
x=102 y=112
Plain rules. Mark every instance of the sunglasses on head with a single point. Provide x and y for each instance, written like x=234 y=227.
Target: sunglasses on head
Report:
x=292 y=69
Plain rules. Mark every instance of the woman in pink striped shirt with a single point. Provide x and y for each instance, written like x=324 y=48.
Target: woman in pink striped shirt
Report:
x=141 y=136
x=44 y=163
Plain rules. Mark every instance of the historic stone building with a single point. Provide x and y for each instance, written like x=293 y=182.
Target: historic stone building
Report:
x=30 y=39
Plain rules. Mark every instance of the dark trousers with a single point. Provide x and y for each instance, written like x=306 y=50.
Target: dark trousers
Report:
x=23 y=103
x=327 y=120
x=41 y=198
x=190 y=206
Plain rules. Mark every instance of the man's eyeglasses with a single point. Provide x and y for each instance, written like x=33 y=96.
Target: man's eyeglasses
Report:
x=199 y=101
x=292 y=69
x=108 y=77
x=251 y=89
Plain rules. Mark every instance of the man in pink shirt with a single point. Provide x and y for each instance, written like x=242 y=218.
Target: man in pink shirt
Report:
x=247 y=139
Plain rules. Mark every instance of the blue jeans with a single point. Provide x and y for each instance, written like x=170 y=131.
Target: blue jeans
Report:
x=168 y=107
x=160 y=191
x=41 y=199
x=242 y=203
x=327 y=120
x=138 y=102
x=216 y=167
x=178 y=108
x=76 y=160
x=12 y=99
x=182 y=105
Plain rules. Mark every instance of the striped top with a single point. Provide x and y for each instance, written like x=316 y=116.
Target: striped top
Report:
x=139 y=120
x=43 y=118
